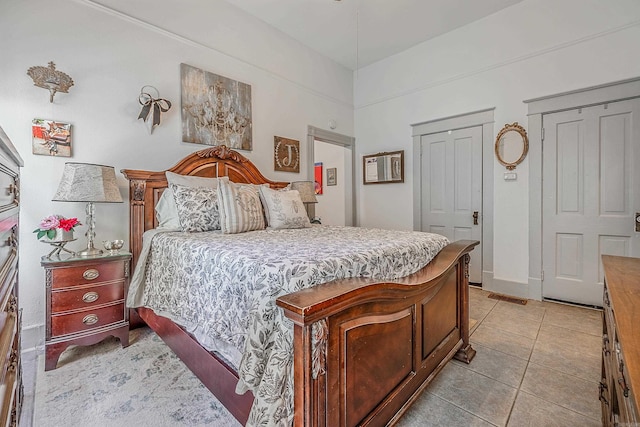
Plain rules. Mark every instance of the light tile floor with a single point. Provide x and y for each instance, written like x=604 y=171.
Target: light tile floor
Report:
x=536 y=365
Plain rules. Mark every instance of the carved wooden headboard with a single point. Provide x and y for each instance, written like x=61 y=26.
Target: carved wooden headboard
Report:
x=146 y=187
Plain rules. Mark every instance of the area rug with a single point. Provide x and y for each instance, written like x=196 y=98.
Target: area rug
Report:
x=105 y=385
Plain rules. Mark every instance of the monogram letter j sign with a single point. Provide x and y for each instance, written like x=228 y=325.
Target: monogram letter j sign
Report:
x=286 y=154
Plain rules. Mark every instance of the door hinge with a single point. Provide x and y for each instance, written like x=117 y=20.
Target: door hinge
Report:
x=543 y=134
x=542 y=276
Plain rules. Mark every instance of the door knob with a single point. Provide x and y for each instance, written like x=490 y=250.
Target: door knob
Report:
x=475 y=218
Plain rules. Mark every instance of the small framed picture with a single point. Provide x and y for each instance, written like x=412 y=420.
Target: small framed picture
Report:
x=286 y=154
x=51 y=138
x=332 y=178
x=383 y=167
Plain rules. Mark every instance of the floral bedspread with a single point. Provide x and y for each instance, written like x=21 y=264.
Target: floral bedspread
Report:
x=223 y=288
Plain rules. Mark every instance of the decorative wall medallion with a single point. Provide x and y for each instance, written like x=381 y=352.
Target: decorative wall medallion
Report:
x=286 y=154
x=215 y=109
x=51 y=79
x=152 y=107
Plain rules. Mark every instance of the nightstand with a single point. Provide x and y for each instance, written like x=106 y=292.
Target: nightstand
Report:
x=85 y=302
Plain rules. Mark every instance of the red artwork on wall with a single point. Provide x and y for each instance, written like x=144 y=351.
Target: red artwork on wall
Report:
x=318 y=177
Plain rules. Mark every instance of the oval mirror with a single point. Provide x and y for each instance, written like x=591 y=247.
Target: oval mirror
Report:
x=512 y=145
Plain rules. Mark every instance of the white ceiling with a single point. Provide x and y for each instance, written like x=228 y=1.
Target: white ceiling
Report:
x=356 y=33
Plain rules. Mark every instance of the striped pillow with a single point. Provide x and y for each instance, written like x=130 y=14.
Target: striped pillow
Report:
x=240 y=208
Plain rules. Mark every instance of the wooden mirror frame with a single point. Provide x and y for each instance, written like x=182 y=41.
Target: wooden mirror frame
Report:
x=514 y=127
x=399 y=174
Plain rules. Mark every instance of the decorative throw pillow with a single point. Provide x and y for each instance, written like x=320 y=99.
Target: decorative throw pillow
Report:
x=240 y=208
x=197 y=207
x=166 y=210
x=284 y=209
x=265 y=206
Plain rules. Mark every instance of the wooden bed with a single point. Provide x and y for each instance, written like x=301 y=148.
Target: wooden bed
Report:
x=363 y=350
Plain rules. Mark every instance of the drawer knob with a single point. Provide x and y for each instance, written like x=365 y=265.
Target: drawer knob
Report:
x=90 y=297
x=90 y=319
x=91 y=274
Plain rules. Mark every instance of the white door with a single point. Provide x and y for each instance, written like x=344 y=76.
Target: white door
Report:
x=591 y=186
x=452 y=188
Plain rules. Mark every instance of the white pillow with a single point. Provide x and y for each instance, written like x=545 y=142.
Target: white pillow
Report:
x=197 y=208
x=284 y=209
x=193 y=181
x=240 y=207
x=166 y=210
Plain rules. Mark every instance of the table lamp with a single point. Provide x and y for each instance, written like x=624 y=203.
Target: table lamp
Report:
x=307 y=190
x=85 y=182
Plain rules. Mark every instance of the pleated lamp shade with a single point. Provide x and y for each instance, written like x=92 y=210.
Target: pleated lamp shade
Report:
x=85 y=182
x=307 y=190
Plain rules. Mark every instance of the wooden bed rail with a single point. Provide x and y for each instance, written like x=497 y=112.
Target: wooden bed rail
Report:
x=365 y=349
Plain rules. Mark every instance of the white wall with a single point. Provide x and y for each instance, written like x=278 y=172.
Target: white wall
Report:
x=331 y=203
x=532 y=49
x=111 y=54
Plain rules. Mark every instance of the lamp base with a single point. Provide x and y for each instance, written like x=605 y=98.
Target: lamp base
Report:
x=89 y=252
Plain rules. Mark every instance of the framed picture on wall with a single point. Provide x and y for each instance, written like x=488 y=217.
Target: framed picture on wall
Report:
x=216 y=110
x=318 y=177
x=332 y=178
x=286 y=157
x=51 y=138
x=383 y=167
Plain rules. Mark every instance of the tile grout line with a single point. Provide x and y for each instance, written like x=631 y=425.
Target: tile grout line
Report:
x=460 y=407
x=519 y=389
x=526 y=368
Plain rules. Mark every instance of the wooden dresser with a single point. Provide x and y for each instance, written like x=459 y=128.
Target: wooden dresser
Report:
x=620 y=384
x=10 y=316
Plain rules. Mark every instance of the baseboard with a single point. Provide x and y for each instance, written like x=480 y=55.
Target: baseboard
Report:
x=508 y=287
x=487 y=279
x=535 y=289
x=32 y=338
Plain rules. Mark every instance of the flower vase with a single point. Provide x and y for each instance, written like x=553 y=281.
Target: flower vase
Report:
x=61 y=236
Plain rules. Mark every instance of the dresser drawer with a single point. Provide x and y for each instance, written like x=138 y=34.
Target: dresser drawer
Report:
x=83 y=297
x=86 y=274
x=64 y=324
x=8 y=188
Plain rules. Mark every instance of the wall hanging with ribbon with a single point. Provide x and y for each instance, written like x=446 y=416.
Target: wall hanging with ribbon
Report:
x=152 y=106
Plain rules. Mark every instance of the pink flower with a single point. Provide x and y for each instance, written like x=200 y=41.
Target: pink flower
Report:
x=50 y=223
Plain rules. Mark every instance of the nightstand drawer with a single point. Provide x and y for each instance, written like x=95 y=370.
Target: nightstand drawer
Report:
x=99 y=272
x=63 y=324
x=86 y=296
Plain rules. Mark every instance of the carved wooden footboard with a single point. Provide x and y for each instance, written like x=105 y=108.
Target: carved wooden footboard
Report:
x=365 y=349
